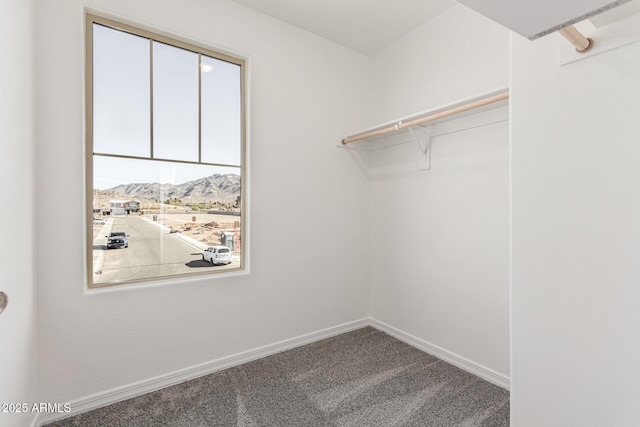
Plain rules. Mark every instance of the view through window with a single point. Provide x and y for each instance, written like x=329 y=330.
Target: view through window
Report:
x=165 y=157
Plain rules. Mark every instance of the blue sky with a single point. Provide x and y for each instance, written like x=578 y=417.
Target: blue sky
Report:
x=122 y=111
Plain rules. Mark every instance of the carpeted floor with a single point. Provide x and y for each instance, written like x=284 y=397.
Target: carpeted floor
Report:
x=361 y=378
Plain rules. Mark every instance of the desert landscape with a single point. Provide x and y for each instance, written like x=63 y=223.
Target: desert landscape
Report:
x=202 y=209
x=206 y=228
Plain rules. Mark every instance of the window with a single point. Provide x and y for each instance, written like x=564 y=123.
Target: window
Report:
x=165 y=156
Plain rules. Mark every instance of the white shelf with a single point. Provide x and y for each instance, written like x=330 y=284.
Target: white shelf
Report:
x=448 y=112
x=422 y=127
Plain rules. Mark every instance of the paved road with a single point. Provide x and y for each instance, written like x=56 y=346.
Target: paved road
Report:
x=152 y=252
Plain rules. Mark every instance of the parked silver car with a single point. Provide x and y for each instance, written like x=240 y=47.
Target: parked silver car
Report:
x=217 y=255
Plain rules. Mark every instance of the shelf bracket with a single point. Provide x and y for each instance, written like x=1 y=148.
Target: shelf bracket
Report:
x=422 y=137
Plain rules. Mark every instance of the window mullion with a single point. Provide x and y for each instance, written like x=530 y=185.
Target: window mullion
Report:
x=151 y=98
x=199 y=107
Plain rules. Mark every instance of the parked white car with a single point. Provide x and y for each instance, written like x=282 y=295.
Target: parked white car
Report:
x=217 y=255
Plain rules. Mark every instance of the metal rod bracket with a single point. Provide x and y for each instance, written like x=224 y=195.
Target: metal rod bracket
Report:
x=423 y=139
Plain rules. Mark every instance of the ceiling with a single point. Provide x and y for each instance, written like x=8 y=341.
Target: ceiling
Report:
x=538 y=18
x=362 y=25
x=368 y=26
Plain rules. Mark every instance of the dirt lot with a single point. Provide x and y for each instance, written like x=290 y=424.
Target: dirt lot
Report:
x=203 y=227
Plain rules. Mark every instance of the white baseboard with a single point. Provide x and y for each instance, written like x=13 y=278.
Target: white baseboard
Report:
x=439 y=352
x=109 y=397
x=118 y=394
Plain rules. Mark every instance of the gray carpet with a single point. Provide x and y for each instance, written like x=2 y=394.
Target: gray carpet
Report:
x=361 y=378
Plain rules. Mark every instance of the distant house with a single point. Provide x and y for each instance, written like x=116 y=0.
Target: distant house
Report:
x=133 y=206
x=122 y=207
x=118 y=207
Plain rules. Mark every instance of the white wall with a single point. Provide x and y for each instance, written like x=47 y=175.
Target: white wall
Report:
x=308 y=201
x=455 y=55
x=439 y=238
x=576 y=237
x=18 y=323
x=575 y=212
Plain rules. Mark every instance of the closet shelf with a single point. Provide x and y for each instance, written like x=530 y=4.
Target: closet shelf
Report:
x=484 y=102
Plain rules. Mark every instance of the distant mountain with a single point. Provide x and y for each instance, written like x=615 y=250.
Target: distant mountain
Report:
x=214 y=188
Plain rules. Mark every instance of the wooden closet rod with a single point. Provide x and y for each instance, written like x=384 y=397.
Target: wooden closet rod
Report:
x=582 y=44
x=435 y=116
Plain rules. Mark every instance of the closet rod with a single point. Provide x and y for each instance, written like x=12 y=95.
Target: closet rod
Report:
x=582 y=44
x=435 y=116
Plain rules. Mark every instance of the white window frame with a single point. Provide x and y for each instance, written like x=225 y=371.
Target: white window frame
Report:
x=90 y=20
